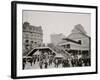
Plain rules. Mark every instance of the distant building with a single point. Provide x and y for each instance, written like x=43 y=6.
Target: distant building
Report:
x=56 y=38
x=32 y=37
x=78 y=42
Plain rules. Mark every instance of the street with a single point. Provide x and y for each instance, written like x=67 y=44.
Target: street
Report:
x=36 y=66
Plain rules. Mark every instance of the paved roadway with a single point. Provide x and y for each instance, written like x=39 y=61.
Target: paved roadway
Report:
x=36 y=66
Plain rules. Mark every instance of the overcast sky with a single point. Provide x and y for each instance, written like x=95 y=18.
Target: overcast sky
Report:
x=57 y=22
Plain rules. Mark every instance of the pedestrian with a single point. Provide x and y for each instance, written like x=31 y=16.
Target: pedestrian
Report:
x=24 y=62
x=31 y=61
x=40 y=64
x=83 y=64
x=73 y=62
x=63 y=63
x=56 y=62
x=46 y=64
x=50 y=61
x=38 y=58
x=80 y=62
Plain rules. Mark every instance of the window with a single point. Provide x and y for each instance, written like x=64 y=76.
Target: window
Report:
x=31 y=42
x=26 y=41
x=30 y=28
x=35 y=42
x=26 y=35
x=68 y=45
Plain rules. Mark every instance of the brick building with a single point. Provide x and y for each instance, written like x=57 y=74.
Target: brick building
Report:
x=32 y=37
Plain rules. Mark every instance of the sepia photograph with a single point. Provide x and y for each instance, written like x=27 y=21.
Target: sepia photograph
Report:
x=56 y=39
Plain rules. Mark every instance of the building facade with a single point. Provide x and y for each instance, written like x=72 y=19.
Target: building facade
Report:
x=32 y=37
x=78 y=42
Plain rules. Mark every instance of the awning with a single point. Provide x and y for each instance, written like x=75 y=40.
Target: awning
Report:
x=74 y=46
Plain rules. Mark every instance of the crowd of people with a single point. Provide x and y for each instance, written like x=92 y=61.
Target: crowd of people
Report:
x=46 y=59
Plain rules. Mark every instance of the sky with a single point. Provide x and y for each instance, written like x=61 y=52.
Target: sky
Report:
x=57 y=22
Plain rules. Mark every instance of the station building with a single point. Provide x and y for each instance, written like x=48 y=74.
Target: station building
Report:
x=77 y=42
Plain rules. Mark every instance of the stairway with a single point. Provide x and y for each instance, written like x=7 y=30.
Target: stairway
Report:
x=60 y=50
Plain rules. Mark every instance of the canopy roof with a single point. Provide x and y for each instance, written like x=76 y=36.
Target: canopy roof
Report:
x=37 y=52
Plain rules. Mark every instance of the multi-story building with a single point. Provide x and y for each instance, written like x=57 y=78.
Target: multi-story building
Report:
x=32 y=37
x=78 y=42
